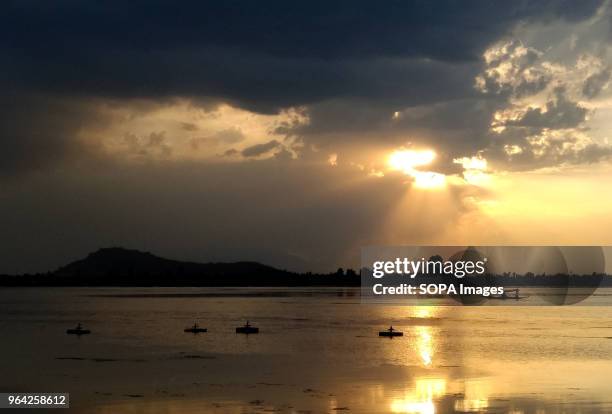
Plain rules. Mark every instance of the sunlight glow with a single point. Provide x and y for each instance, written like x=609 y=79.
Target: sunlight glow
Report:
x=477 y=177
x=428 y=179
x=406 y=161
x=474 y=170
x=472 y=163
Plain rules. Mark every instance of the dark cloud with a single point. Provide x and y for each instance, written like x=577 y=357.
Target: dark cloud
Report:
x=231 y=152
x=551 y=152
x=595 y=83
x=349 y=66
x=188 y=126
x=264 y=55
x=453 y=129
x=512 y=70
x=226 y=136
x=339 y=59
x=559 y=113
x=260 y=149
x=515 y=149
x=446 y=30
x=155 y=143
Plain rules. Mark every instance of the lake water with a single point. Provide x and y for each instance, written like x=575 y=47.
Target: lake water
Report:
x=318 y=351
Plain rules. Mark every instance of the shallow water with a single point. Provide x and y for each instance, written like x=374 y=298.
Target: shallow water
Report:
x=318 y=352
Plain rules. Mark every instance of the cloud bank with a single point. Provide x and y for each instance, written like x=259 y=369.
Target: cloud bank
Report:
x=212 y=125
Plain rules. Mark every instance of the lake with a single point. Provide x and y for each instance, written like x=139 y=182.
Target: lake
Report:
x=318 y=351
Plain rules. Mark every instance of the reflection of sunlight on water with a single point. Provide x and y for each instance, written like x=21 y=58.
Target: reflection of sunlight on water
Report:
x=376 y=393
x=470 y=405
x=423 y=311
x=421 y=399
x=476 y=396
x=428 y=388
x=425 y=344
x=333 y=405
x=401 y=406
x=424 y=341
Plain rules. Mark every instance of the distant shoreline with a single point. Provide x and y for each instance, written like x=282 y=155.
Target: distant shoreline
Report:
x=119 y=267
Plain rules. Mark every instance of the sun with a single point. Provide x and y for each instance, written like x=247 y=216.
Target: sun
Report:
x=407 y=161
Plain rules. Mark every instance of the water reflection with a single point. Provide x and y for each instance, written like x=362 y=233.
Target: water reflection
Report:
x=402 y=406
x=423 y=311
x=421 y=398
x=316 y=355
x=425 y=344
x=475 y=396
x=424 y=334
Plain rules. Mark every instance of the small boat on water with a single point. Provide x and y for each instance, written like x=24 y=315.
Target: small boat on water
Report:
x=78 y=330
x=510 y=294
x=195 y=329
x=247 y=329
x=390 y=333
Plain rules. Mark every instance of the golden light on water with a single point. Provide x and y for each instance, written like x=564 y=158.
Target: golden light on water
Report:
x=403 y=406
x=476 y=397
x=425 y=345
x=423 y=311
x=424 y=336
x=421 y=399
x=429 y=388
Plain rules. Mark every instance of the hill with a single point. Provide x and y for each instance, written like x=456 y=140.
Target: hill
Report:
x=123 y=267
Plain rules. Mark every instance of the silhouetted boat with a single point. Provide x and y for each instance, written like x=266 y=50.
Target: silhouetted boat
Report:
x=510 y=294
x=247 y=329
x=195 y=329
x=390 y=333
x=78 y=330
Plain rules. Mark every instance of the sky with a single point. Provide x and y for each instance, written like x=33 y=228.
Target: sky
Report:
x=295 y=133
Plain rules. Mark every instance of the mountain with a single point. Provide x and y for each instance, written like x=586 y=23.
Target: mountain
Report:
x=117 y=266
